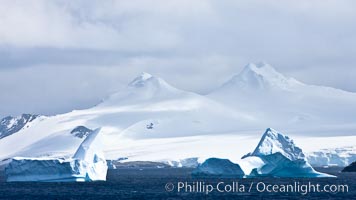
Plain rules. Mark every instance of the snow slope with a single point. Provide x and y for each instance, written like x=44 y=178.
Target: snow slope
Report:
x=150 y=120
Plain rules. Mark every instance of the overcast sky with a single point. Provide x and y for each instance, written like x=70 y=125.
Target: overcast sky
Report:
x=56 y=56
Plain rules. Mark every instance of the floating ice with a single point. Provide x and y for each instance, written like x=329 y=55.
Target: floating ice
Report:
x=87 y=164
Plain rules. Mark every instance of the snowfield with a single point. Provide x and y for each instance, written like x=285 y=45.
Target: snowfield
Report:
x=151 y=120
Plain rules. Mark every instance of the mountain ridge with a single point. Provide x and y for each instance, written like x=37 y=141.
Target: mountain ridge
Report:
x=150 y=119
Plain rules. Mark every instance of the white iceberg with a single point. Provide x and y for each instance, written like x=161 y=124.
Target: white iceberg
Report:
x=280 y=158
x=87 y=164
x=218 y=167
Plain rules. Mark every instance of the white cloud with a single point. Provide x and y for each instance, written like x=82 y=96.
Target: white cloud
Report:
x=119 y=25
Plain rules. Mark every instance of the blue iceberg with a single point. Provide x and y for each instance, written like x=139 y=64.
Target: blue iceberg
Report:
x=87 y=164
x=218 y=167
x=280 y=158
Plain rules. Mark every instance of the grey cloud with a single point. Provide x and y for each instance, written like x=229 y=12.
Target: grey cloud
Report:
x=84 y=50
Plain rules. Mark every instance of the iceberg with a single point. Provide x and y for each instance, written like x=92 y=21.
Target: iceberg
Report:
x=281 y=158
x=87 y=164
x=218 y=167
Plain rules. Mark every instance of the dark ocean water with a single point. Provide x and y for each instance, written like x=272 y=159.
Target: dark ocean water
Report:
x=151 y=184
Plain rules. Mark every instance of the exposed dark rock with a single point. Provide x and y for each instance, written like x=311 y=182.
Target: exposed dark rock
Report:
x=81 y=131
x=10 y=125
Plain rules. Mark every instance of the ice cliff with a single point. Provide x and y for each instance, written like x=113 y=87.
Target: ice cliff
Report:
x=87 y=164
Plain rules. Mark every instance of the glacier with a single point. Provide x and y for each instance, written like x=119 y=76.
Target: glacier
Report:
x=87 y=164
x=281 y=158
x=219 y=167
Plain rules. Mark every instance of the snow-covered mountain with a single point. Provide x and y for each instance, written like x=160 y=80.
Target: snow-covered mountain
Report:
x=144 y=88
x=260 y=76
x=148 y=108
x=288 y=104
x=150 y=120
x=10 y=125
x=152 y=108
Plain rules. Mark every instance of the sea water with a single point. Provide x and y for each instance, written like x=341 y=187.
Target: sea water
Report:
x=177 y=183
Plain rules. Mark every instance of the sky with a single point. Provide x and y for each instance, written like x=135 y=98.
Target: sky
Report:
x=56 y=56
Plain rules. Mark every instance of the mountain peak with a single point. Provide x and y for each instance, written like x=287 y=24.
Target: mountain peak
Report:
x=142 y=88
x=273 y=141
x=141 y=80
x=146 y=81
x=262 y=71
x=259 y=76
